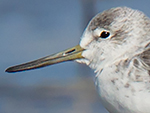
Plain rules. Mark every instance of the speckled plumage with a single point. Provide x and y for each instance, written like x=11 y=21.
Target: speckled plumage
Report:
x=122 y=61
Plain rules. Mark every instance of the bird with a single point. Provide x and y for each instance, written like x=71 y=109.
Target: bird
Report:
x=116 y=45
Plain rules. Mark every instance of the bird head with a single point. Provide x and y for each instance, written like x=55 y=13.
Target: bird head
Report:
x=113 y=35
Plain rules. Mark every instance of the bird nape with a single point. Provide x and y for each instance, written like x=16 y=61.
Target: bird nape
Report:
x=116 y=45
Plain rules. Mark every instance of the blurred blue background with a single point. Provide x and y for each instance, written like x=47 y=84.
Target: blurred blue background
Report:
x=32 y=29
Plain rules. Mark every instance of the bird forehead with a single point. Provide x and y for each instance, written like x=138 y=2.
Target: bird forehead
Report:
x=106 y=18
x=123 y=23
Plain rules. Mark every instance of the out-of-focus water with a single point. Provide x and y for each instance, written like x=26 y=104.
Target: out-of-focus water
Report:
x=32 y=29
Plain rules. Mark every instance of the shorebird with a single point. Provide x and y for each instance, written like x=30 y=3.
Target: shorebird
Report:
x=116 y=44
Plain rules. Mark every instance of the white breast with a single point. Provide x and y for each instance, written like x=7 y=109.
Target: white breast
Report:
x=122 y=94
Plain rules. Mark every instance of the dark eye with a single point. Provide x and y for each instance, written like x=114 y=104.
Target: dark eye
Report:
x=104 y=34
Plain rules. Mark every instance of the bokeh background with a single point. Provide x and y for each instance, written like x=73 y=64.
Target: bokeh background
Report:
x=30 y=29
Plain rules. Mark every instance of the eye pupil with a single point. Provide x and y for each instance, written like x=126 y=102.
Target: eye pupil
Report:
x=104 y=34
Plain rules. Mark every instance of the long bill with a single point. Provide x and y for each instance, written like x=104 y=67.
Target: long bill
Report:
x=67 y=55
